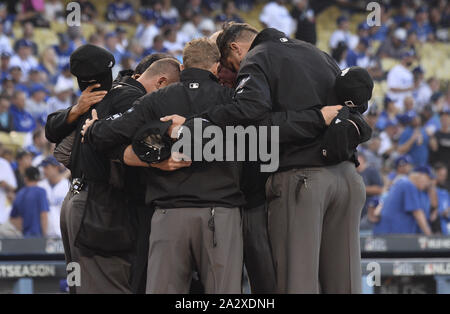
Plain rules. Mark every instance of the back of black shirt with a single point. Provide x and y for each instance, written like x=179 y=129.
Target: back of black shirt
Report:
x=203 y=184
x=96 y=167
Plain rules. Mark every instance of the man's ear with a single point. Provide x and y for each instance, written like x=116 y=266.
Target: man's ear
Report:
x=235 y=47
x=181 y=67
x=161 y=82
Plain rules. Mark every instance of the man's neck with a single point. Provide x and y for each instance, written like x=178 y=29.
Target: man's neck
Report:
x=414 y=180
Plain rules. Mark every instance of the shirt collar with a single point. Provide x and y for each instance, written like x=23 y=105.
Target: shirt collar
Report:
x=131 y=81
x=195 y=74
x=268 y=34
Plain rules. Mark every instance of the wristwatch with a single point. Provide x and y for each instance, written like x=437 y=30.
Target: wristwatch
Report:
x=179 y=132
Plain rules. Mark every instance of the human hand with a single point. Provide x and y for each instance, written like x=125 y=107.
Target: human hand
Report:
x=177 y=122
x=87 y=124
x=330 y=112
x=87 y=99
x=175 y=162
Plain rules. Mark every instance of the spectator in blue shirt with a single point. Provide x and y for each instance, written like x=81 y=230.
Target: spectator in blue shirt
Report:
x=374 y=186
x=6 y=118
x=389 y=114
x=402 y=168
x=414 y=140
x=406 y=207
x=48 y=65
x=36 y=103
x=431 y=121
x=63 y=50
x=379 y=32
x=421 y=26
x=359 y=56
x=23 y=57
x=158 y=46
x=4 y=65
x=16 y=74
x=7 y=19
x=229 y=13
x=120 y=11
x=363 y=30
x=22 y=120
x=111 y=42
x=28 y=34
x=403 y=17
x=30 y=208
x=38 y=145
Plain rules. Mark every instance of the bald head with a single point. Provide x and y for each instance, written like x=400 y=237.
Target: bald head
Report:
x=160 y=74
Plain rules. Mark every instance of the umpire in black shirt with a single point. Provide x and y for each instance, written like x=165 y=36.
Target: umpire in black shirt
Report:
x=314 y=207
x=95 y=80
x=104 y=263
x=197 y=223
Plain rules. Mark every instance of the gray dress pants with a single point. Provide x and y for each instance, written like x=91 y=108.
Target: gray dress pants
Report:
x=206 y=240
x=313 y=224
x=98 y=274
x=257 y=252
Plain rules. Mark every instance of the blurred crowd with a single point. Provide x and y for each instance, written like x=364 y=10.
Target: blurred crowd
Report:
x=404 y=166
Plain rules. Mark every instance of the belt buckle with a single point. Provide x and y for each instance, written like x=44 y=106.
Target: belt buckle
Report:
x=77 y=186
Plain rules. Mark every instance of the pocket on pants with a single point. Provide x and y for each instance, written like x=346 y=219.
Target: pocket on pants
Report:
x=273 y=188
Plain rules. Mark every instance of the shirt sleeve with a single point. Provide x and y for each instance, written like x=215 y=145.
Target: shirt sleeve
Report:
x=411 y=198
x=106 y=134
x=57 y=128
x=43 y=201
x=298 y=126
x=252 y=105
x=15 y=209
x=7 y=174
x=404 y=137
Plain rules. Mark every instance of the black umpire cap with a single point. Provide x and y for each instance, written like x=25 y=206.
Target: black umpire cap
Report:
x=354 y=87
x=92 y=64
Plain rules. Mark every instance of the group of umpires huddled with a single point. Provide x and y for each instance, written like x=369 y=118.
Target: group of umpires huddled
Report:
x=137 y=219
